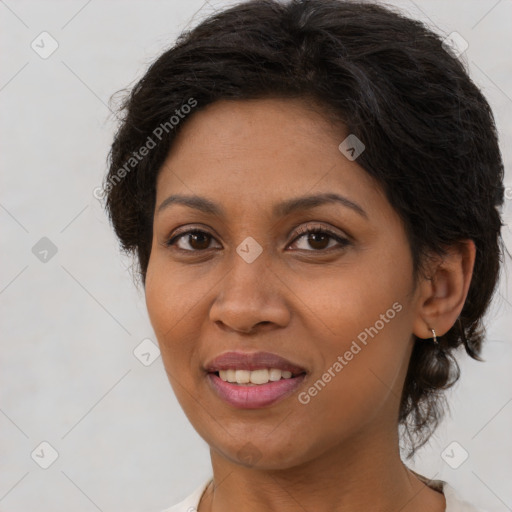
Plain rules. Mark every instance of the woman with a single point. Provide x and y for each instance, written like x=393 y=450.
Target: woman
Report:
x=313 y=193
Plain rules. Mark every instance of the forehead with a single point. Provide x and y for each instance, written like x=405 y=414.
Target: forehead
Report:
x=261 y=151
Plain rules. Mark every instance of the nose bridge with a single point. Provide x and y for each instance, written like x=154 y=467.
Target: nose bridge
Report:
x=249 y=272
x=249 y=293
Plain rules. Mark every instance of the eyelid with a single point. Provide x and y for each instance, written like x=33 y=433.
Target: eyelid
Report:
x=304 y=230
x=188 y=228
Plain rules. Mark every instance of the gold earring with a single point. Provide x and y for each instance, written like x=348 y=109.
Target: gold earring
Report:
x=434 y=337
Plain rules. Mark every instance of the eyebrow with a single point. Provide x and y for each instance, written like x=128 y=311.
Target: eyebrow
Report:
x=281 y=209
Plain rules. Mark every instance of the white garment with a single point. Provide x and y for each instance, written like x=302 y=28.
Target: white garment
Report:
x=454 y=503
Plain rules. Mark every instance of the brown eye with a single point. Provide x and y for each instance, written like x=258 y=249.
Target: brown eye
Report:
x=197 y=241
x=319 y=238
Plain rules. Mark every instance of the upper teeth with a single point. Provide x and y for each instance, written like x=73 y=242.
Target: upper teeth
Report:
x=254 y=377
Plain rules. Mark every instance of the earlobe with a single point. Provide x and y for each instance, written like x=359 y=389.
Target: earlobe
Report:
x=442 y=295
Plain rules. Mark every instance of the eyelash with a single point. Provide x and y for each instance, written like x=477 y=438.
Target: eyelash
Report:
x=300 y=233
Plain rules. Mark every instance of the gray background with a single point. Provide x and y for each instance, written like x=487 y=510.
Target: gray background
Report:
x=70 y=324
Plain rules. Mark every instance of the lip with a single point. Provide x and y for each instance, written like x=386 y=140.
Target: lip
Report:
x=253 y=396
x=252 y=361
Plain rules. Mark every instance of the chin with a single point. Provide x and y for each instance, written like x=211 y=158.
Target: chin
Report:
x=262 y=453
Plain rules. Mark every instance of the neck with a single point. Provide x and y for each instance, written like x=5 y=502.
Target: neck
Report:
x=363 y=474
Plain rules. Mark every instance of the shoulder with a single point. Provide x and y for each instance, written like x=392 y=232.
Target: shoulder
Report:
x=191 y=502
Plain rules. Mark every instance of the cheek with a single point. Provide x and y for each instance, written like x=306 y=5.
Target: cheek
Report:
x=359 y=294
x=172 y=312
x=363 y=323
x=359 y=382
x=172 y=305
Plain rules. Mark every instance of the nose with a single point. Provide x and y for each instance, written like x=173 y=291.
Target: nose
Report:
x=250 y=298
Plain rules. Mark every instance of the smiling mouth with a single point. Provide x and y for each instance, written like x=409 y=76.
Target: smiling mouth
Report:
x=250 y=395
x=253 y=380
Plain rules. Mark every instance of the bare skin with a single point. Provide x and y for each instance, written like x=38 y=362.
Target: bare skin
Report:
x=305 y=298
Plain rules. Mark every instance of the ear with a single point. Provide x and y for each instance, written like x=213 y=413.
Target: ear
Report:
x=443 y=291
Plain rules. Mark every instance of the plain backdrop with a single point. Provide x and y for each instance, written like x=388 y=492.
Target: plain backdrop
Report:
x=71 y=317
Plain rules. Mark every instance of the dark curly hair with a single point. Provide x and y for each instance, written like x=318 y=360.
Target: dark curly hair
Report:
x=430 y=138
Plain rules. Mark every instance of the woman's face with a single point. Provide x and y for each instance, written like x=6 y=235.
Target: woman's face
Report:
x=338 y=306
